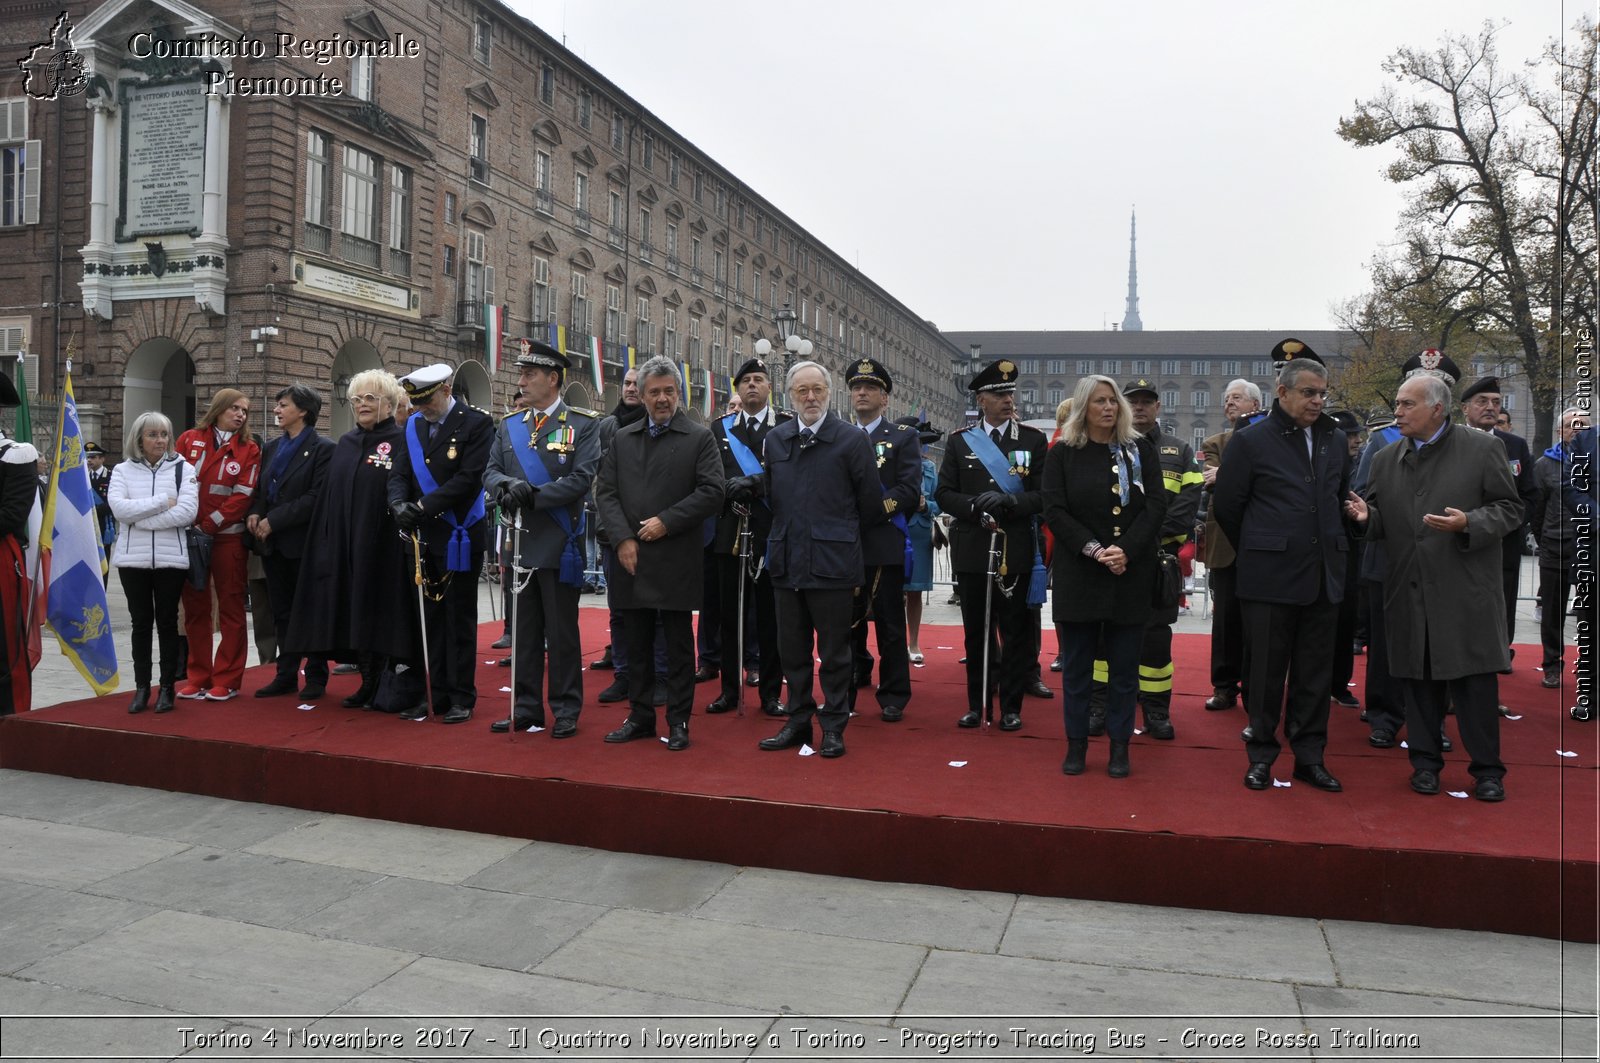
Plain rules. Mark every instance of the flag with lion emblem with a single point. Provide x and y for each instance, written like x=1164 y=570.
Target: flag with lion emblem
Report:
x=75 y=604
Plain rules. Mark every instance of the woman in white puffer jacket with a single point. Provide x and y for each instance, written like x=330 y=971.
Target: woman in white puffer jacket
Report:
x=154 y=497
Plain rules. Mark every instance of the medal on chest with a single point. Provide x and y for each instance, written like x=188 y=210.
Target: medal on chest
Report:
x=1021 y=463
x=883 y=453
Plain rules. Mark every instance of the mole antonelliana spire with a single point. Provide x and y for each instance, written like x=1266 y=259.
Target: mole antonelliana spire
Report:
x=1130 y=320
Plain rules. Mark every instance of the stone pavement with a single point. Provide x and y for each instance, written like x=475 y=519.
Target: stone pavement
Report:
x=218 y=929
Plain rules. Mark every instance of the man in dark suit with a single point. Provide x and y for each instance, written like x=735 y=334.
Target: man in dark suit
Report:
x=660 y=480
x=436 y=493
x=1278 y=499
x=824 y=494
x=1480 y=407
x=541 y=468
x=993 y=469
x=1241 y=400
x=898 y=454
x=292 y=470
x=740 y=437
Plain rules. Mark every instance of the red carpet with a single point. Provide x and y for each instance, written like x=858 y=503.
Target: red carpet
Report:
x=1181 y=831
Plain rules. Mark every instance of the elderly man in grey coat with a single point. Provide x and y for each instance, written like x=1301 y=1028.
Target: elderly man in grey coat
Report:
x=1441 y=499
x=660 y=480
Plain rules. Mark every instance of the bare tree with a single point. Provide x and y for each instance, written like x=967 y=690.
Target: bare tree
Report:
x=1496 y=249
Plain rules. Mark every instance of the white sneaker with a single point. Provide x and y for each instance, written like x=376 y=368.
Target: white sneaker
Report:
x=220 y=694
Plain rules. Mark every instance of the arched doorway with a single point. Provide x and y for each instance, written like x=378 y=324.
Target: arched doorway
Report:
x=580 y=395
x=159 y=376
x=473 y=386
x=356 y=356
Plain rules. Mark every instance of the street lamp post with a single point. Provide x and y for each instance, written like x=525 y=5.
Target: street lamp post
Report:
x=800 y=348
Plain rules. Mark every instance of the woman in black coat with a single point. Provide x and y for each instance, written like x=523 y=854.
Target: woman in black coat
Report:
x=354 y=600
x=1104 y=502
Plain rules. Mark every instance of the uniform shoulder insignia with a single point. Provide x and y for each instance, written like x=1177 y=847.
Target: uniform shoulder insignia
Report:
x=1169 y=450
x=583 y=412
x=487 y=413
x=901 y=429
x=782 y=416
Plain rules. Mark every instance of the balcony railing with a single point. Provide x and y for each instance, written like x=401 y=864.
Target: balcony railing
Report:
x=580 y=220
x=672 y=265
x=359 y=252
x=469 y=314
x=543 y=201
x=399 y=262
x=614 y=236
x=697 y=277
x=645 y=250
x=317 y=238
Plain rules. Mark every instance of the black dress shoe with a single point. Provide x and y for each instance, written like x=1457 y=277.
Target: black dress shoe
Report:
x=166 y=698
x=894 y=714
x=501 y=643
x=1055 y=665
x=832 y=744
x=1010 y=721
x=1381 y=738
x=1345 y=698
x=617 y=691
x=1489 y=790
x=604 y=663
x=415 y=712
x=564 y=728
x=1246 y=734
x=1222 y=699
x=1037 y=689
x=1317 y=776
x=1259 y=777
x=277 y=688
x=1425 y=782
x=313 y=691
x=1551 y=680
x=630 y=730
x=678 y=737
x=775 y=708
x=524 y=723
x=457 y=714
x=971 y=719
x=793 y=734
x=141 y=699
x=719 y=705
x=705 y=674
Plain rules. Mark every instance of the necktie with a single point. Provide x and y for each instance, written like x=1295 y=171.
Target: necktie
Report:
x=752 y=424
x=807 y=437
x=994 y=434
x=656 y=429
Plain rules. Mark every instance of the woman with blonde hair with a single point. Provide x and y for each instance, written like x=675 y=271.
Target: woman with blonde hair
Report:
x=154 y=497
x=1104 y=502
x=354 y=593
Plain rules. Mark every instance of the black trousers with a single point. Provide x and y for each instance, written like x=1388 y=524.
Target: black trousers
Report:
x=153 y=595
x=1344 y=636
x=1288 y=662
x=1555 y=588
x=453 y=634
x=547 y=627
x=885 y=594
x=760 y=592
x=1012 y=621
x=282 y=575
x=1511 y=577
x=1081 y=645
x=1476 y=699
x=825 y=616
x=1227 y=632
x=708 y=634
x=1386 y=695
x=677 y=628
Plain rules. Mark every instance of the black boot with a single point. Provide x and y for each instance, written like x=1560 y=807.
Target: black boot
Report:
x=1097 y=722
x=141 y=698
x=164 y=700
x=1077 y=755
x=1158 y=725
x=362 y=698
x=1117 y=767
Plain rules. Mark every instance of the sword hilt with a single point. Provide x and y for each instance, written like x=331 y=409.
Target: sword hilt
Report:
x=416 y=552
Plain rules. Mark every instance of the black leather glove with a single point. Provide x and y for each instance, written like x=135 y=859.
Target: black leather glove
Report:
x=408 y=515
x=517 y=494
x=990 y=502
x=743 y=488
x=1009 y=502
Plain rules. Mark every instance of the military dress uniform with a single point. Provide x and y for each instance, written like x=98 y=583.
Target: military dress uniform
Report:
x=18 y=462
x=1180 y=474
x=565 y=441
x=963 y=478
x=449 y=518
x=747 y=432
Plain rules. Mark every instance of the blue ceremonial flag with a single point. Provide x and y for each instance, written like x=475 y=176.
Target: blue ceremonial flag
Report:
x=75 y=606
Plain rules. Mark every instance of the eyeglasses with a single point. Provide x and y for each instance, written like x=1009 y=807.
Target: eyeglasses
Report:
x=365 y=400
x=1312 y=393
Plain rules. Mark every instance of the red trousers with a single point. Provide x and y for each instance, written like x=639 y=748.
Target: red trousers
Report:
x=229 y=564
x=16 y=679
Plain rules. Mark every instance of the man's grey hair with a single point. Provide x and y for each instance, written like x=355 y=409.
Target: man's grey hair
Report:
x=660 y=365
x=1435 y=391
x=1295 y=366
x=788 y=379
x=1251 y=390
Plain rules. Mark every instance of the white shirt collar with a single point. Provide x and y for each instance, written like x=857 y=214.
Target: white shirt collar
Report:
x=872 y=426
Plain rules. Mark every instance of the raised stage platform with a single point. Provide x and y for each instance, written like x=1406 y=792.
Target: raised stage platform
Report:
x=921 y=800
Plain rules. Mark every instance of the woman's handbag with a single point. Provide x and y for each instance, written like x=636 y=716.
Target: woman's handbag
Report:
x=1169 y=582
x=199 y=558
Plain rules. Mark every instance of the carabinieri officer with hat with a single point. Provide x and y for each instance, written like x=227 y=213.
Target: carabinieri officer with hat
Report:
x=886 y=548
x=544 y=460
x=995 y=467
x=436 y=491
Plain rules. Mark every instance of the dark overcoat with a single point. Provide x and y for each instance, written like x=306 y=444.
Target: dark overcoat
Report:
x=897 y=451
x=1443 y=602
x=567 y=444
x=822 y=497
x=676 y=477
x=289 y=508
x=1083 y=504
x=355 y=593
x=1282 y=508
x=962 y=477
x=456 y=458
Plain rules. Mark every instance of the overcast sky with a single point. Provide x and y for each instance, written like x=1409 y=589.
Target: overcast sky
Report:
x=979 y=160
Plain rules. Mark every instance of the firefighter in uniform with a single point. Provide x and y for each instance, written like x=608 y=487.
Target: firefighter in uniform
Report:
x=1180 y=473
